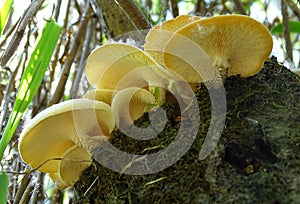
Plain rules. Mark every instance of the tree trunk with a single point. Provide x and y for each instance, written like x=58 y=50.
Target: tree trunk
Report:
x=122 y=17
x=256 y=159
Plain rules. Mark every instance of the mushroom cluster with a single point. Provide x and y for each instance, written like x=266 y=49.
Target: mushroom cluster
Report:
x=216 y=47
x=128 y=81
x=59 y=139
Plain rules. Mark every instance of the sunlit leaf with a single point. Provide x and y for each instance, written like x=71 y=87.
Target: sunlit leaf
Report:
x=294 y=27
x=31 y=79
x=3 y=188
x=4 y=13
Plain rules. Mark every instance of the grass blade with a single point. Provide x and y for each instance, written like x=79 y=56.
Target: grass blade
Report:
x=4 y=188
x=4 y=13
x=31 y=79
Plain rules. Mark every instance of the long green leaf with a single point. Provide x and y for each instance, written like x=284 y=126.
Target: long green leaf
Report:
x=31 y=79
x=3 y=188
x=4 y=13
x=294 y=27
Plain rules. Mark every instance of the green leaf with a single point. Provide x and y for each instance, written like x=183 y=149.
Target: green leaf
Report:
x=4 y=188
x=294 y=27
x=31 y=79
x=4 y=13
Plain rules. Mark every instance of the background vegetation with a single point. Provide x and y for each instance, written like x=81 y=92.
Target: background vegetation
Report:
x=80 y=27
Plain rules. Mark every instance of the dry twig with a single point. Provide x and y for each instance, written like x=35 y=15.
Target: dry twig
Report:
x=18 y=35
x=286 y=31
x=59 y=91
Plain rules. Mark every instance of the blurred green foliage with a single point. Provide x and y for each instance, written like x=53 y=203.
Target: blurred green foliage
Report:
x=294 y=27
x=5 y=7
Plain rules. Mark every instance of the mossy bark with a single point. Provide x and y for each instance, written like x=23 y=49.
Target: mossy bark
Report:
x=257 y=159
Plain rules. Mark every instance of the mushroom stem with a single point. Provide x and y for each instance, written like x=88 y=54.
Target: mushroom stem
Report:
x=222 y=65
x=159 y=94
x=221 y=72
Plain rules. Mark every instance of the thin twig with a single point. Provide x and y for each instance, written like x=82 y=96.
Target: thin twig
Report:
x=59 y=91
x=286 y=31
x=38 y=189
x=58 y=46
x=199 y=8
x=87 y=190
x=78 y=7
x=175 y=9
x=6 y=99
x=24 y=183
x=84 y=55
x=18 y=35
x=295 y=8
x=148 y=4
x=164 y=6
x=27 y=193
x=15 y=184
x=8 y=33
x=44 y=163
x=57 y=10
x=240 y=7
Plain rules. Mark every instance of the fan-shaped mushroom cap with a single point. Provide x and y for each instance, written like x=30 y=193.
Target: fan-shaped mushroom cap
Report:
x=52 y=133
x=76 y=159
x=236 y=44
x=60 y=184
x=117 y=66
x=158 y=36
x=104 y=95
x=107 y=65
x=131 y=103
x=127 y=104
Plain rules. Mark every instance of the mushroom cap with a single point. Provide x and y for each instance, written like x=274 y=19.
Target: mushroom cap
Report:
x=76 y=159
x=104 y=95
x=60 y=184
x=52 y=132
x=236 y=42
x=108 y=66
x=158 y=36
x=127 y=104
x=131 y=103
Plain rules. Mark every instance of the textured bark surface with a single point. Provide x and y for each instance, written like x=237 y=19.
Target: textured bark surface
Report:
x=114 y=18
x=256 y=160
x=122 y=18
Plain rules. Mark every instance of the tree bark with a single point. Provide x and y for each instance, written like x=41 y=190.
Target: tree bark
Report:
x=122 y=17
x=256 y=159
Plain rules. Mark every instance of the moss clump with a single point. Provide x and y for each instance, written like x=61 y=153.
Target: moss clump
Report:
x=257 y=159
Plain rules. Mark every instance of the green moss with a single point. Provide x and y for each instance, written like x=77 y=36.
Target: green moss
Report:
x=257 y=159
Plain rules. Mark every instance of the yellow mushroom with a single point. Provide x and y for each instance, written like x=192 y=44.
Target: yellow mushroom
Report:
x=60 y=131
x=104 y=95
x=228 y=44
x=117 y=66
x=74 y=160
x=73 y=163
x=127 y=104
x=131 y=103
x=158 y=36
